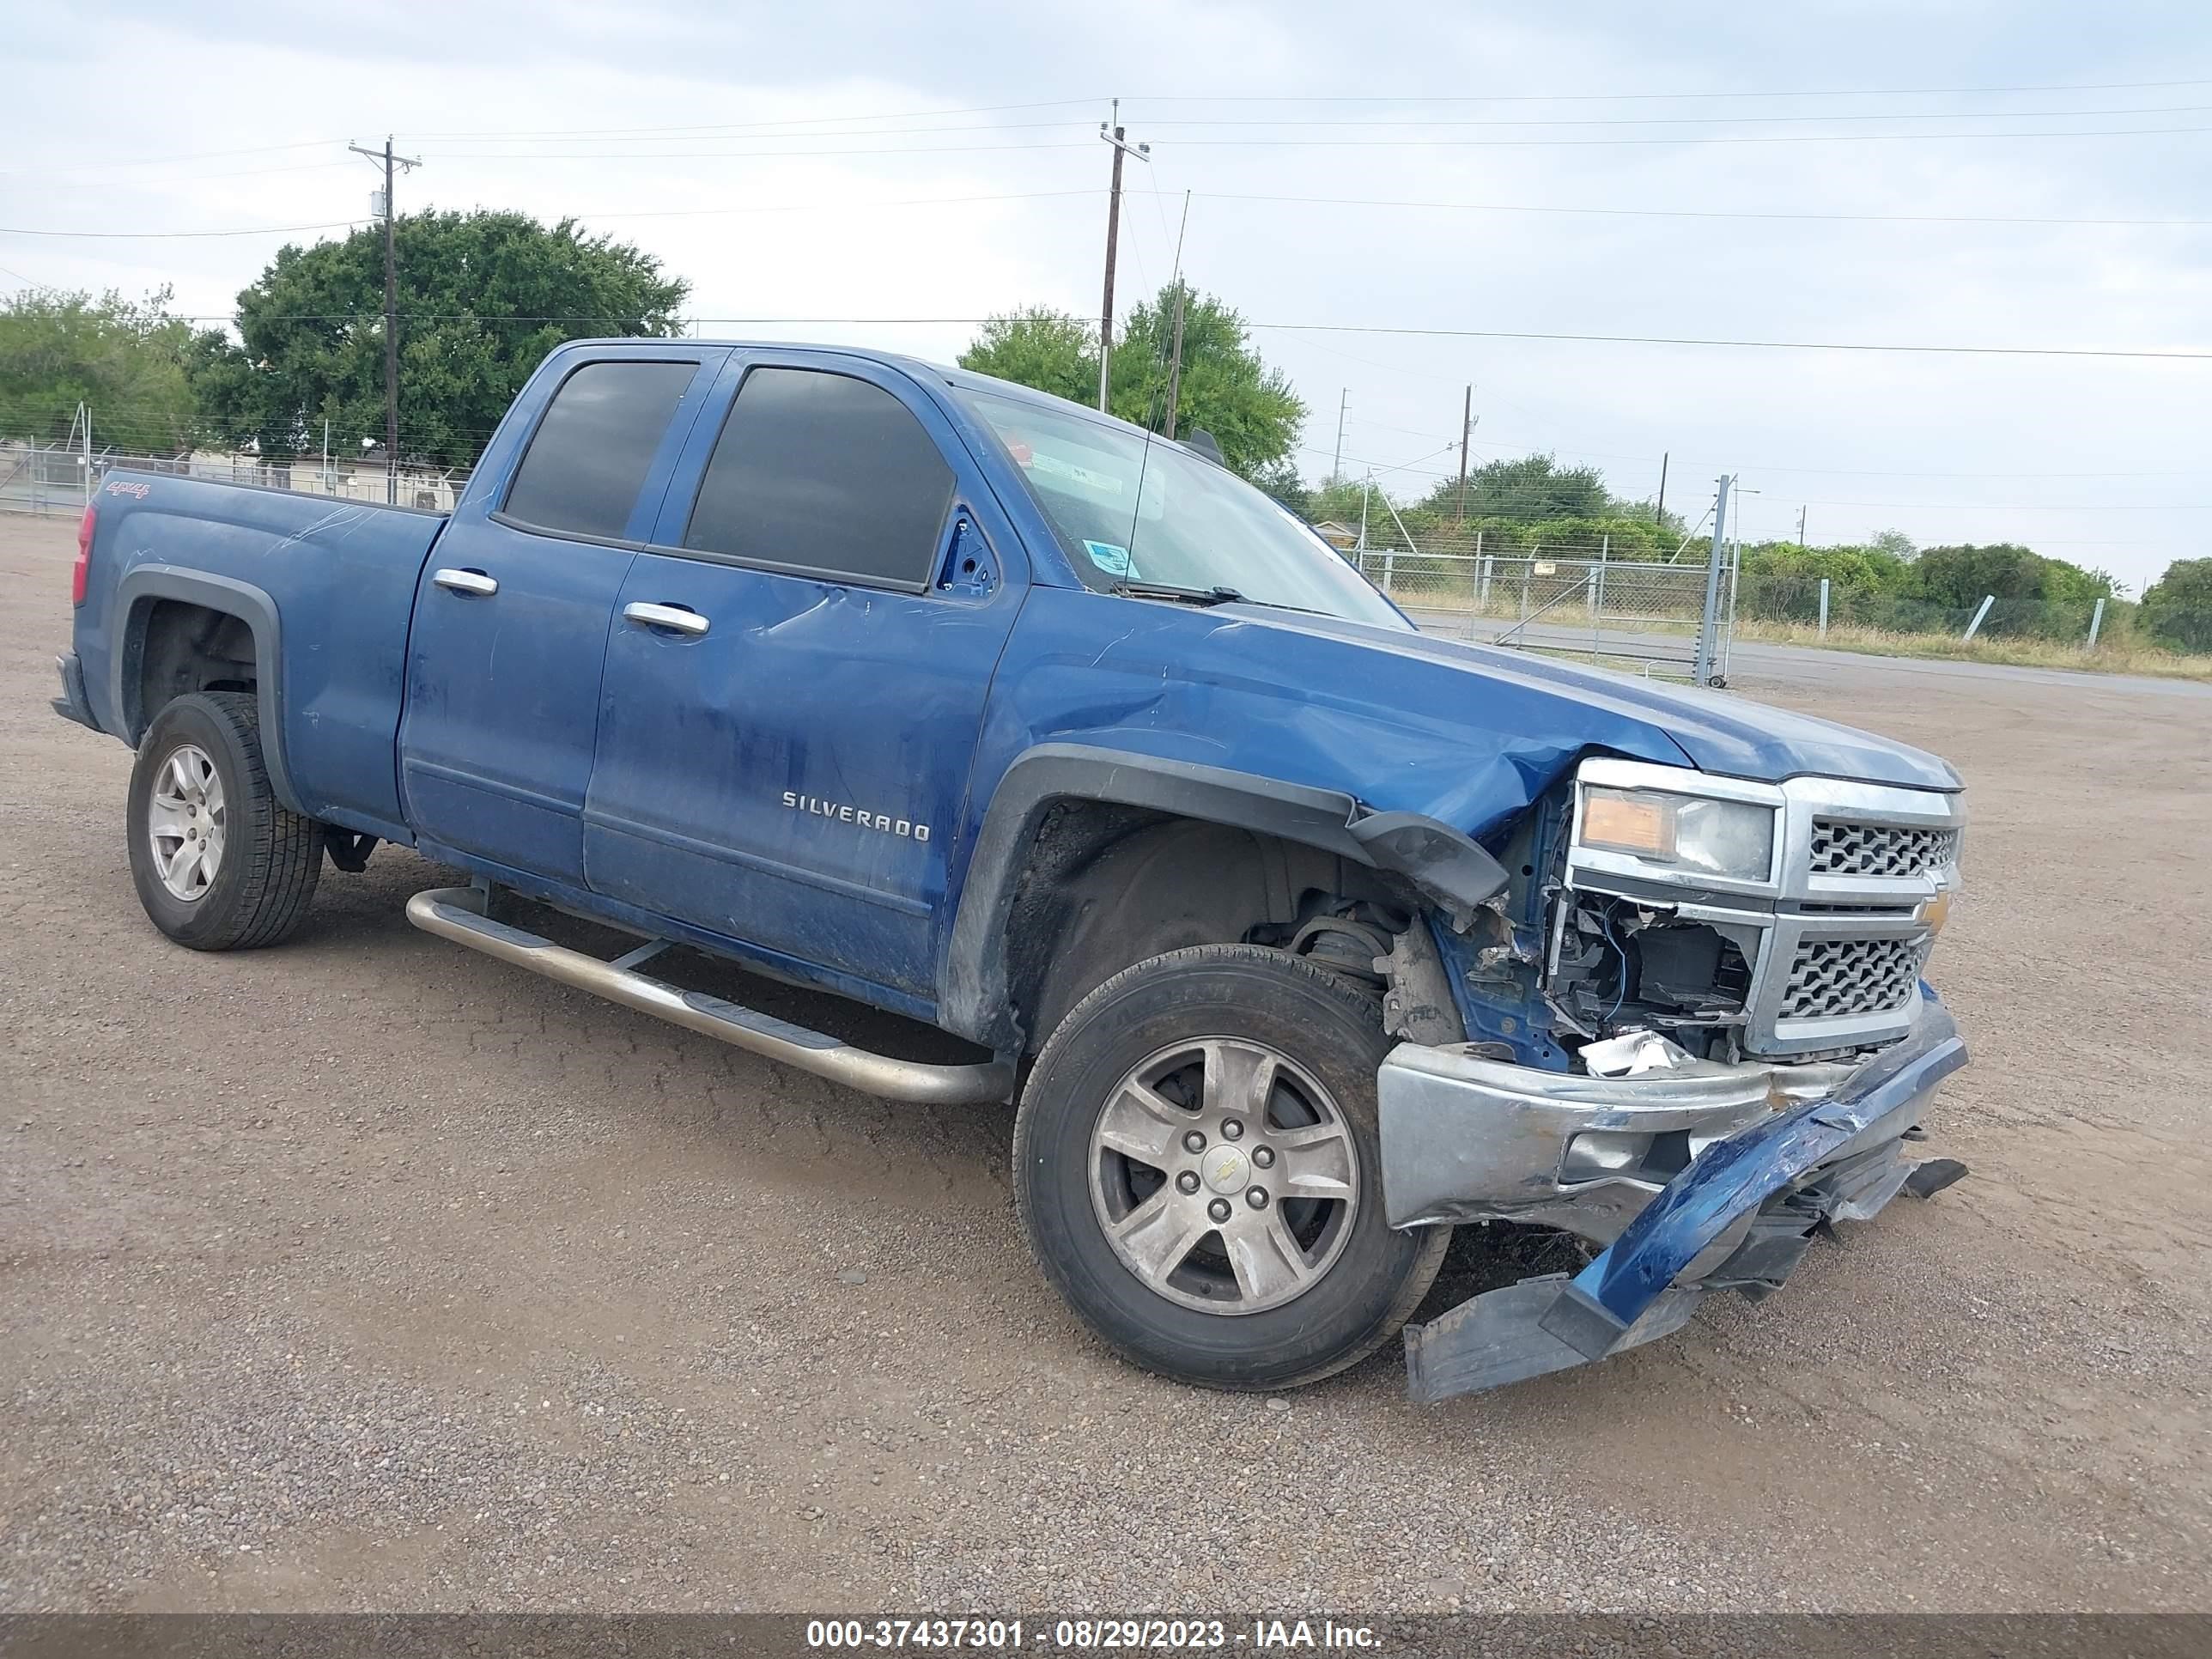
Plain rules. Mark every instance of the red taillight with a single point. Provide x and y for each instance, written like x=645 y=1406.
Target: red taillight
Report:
x=82 y=567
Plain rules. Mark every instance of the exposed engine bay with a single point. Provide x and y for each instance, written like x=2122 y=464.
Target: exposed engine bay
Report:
x=1619 y=964
x=1693 y=919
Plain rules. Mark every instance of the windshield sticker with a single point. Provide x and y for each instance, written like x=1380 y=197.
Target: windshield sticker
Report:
x=1102 y=484
x=1114 y=561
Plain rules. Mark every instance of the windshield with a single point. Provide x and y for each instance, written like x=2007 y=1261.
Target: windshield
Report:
x=1132 y=511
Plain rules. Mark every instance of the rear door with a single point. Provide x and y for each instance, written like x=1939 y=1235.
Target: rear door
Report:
x=797 y=672
x=512 y=613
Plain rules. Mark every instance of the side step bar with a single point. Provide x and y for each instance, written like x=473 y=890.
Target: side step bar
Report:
x=454 y=912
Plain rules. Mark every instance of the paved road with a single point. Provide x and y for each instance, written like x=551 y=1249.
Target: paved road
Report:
x=365 y=1273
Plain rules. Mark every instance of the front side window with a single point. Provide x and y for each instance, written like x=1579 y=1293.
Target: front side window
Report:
x=1135 y=509
x=826 y=474
x=587 y=459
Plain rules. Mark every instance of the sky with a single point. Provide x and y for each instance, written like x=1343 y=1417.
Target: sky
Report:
x=1388 y=194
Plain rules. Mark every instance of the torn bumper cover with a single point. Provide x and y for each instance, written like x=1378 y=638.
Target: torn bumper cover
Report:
x=1706 y=1178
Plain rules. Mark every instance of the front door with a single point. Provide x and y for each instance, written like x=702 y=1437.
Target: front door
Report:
x=512 y=614
x=796 y=676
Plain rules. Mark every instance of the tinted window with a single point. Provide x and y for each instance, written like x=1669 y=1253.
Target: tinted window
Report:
x=588 y=461
x=823 y=472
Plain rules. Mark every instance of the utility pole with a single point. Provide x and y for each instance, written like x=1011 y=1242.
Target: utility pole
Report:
x=1336 y=466
x=1659 y=515
x=1175 y=363
x=1707 y=666
x=390 y=315
x=1115 y=134
x=1466 y=434
x=1801 y=530
x=1174 y=354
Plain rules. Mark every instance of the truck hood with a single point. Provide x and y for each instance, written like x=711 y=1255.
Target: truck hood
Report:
x=1717 y=732
x=1468 y=735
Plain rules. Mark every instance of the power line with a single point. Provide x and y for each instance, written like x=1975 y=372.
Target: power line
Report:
x=618 y=213
x=158 y=235
x=836 y=207
x=741 y=126
x=1687 y=138
x=166 y=159
x=744 y=154
x=552 y=132
x=1301 y=99
x=1220 y=196
x=2028 y=506
x=1632 y=97
x=678 y=135
x=1318 y=143
x=1702 y=213
x=1915 y=349
x=1774 y=345
x=1676 y=120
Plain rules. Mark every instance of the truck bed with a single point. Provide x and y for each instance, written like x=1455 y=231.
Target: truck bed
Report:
x=327 y=587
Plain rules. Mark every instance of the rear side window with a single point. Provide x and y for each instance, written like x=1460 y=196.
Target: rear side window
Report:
x=824 y=473
x=588 y=457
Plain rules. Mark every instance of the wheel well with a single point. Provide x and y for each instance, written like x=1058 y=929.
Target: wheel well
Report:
x=180 y=648
x=1105 y=886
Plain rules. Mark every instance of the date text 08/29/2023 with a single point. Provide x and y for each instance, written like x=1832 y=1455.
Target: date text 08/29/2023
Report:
x=1087 y=1635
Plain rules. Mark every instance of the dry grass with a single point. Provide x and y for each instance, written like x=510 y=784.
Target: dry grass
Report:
x=2109 y=658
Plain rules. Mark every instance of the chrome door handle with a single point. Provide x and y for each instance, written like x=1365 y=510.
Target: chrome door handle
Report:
x=473 y=582
x=673 y=617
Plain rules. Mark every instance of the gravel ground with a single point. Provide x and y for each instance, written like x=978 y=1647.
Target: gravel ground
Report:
x=365 y=1273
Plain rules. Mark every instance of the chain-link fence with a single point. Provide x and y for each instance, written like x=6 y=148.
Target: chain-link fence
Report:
x=1643 y=616
x=37 y=478
x=1792 y=600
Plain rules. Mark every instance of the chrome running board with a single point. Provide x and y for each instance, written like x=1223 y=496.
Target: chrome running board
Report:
x=454 y=913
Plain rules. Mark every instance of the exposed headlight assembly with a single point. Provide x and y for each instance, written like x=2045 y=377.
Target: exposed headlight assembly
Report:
x=1685 y=834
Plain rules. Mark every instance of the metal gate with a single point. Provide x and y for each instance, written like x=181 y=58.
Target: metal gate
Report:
x=1639 y=617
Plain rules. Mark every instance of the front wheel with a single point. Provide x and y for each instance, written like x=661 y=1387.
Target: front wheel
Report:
x=1197 y=1168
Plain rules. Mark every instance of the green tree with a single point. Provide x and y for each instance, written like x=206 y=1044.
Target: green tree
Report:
x=1528 y=491
x=2176 y=609
x=483 y=296
x=2034 y=595
x=125 y=361
x=1224 y=387
x=1961 y=576
x=1038 y=347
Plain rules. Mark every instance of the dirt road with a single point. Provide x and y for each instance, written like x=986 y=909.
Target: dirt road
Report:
x=365 y=1273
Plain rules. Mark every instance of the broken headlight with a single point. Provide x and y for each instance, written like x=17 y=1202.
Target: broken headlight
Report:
x=1687 y=833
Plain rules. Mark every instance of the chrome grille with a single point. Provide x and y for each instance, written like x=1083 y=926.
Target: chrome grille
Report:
x=1840 y=849
x=1833 y=977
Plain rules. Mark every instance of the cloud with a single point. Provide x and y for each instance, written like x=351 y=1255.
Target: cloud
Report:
x=1234 y=99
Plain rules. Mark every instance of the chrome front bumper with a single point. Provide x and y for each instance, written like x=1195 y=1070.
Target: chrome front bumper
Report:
x=1703 y=1178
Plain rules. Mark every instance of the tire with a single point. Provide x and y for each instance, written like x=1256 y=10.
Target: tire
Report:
x=270 y=858
x=1210 y=1322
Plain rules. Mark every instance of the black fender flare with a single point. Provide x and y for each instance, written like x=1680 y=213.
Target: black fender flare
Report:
x=141 y=585
x=1446 y=866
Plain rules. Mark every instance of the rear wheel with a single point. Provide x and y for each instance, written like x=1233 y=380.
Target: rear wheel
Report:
x=219 y=863
x=1197 y=1169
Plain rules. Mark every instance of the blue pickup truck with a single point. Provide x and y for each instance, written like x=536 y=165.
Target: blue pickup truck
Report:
x=1297 y=936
